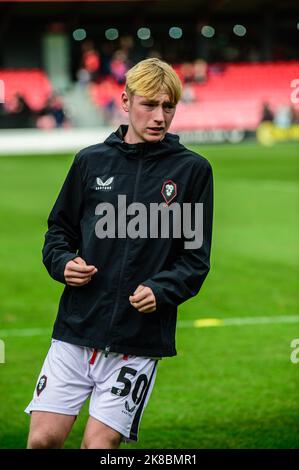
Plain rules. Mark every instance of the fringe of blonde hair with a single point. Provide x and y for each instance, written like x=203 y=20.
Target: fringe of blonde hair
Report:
x=152 y=76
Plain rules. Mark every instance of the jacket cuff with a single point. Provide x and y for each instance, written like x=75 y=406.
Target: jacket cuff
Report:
x=157 y=291
x=58 y=273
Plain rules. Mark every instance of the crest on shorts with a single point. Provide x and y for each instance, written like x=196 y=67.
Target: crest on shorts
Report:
x=169 y=191
x=41 y=385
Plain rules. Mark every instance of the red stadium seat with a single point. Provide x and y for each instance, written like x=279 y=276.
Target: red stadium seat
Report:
x=232 y=97
x=32 y=84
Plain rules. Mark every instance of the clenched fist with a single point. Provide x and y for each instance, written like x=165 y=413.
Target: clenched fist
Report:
x=78 y=273
x=143 y=299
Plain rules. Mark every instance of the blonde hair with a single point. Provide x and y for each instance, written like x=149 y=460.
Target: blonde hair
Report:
x=152 y=76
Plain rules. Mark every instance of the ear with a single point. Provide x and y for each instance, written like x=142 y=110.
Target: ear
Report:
x=125 y=101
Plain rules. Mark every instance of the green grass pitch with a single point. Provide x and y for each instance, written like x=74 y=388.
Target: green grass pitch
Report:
x=230 y=386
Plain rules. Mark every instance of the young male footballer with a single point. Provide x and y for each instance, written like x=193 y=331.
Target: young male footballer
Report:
x=130 y=236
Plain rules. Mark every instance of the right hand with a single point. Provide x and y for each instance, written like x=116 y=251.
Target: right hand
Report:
x=78 y=273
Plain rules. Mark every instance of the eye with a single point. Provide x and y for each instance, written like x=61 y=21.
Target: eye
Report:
x=169 y=106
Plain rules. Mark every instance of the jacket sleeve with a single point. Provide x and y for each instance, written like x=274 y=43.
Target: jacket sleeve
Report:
x=187 y=273
x=63 y=237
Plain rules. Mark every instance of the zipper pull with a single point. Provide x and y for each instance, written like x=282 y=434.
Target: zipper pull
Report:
x=107 y=350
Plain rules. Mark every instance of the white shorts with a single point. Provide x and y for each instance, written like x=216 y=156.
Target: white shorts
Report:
x=119 y=385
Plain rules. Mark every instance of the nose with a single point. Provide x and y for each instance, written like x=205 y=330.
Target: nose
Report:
x=159 y=115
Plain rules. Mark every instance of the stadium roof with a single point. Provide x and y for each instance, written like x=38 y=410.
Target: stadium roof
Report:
x=162 y=8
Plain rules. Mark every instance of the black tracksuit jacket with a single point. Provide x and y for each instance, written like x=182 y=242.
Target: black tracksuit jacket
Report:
x=99 y=314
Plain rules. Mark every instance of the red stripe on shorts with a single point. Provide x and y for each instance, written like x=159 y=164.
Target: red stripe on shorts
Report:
x=93 y=357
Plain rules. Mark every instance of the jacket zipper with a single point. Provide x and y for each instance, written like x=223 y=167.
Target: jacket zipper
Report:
x=107 y=347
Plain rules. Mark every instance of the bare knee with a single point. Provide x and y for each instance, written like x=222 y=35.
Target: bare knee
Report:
x=48 y=430
x=105 y=440
x=101 y=443
x=98 y=435
x=44 y=440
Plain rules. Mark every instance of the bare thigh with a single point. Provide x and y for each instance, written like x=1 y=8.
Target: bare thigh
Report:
x=98 y=435
x=49 y=430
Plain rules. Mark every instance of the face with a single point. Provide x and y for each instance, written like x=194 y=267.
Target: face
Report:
x=149 y=119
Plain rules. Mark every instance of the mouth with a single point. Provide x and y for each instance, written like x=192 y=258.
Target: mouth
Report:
x=156 y=129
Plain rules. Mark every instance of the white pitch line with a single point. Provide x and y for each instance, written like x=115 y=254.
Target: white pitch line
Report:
x=200 y=323
x=209 y=322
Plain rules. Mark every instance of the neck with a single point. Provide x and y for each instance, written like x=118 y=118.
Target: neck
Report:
x=131 y=138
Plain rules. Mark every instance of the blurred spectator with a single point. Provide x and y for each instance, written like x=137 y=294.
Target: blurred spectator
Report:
x=17 y=114
x=45 y=121
x=284 y=117
x=200 y=71
x=109 y=110
x=194 y=72
x=188 y=95
x=2 y=109
x=119 y=66
x=127 y=46
x=106 y=55
x=52 y=115
x=58 y=111
x=216 y=69
x=267 y=114
x=91 y=60
x=83 y=77
x=295 y=115
x=187 y=72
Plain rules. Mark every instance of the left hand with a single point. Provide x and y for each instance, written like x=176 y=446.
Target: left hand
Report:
x=143 y=299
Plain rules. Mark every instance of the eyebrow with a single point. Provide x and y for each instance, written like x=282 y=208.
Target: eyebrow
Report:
x=145 y=100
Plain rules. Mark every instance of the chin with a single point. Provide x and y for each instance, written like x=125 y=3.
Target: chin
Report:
x=153 y=138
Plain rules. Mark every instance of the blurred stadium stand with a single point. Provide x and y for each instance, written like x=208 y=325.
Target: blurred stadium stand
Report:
x=230 y=99
x=33 y=85
x=58 y=60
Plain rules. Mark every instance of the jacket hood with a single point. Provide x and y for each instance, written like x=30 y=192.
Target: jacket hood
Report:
x=170 y=144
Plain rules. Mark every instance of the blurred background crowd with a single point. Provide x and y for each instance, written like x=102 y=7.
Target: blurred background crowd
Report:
x=237 y=62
